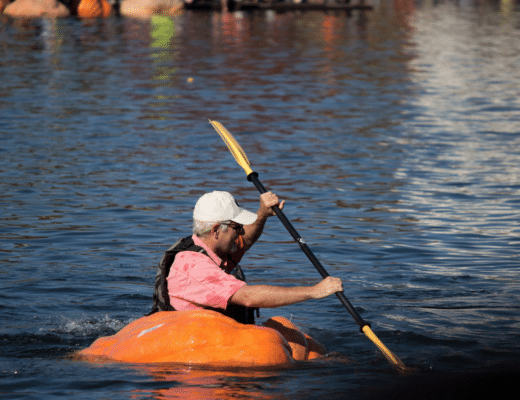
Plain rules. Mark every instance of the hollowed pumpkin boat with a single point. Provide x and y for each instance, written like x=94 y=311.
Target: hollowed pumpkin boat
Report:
x=207 y=338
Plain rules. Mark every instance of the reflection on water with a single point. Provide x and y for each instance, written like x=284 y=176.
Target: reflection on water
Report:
x=192 y=383
x=464 y=158
x=391 y=134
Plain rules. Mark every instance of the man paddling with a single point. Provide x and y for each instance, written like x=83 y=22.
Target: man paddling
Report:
x=199 y=268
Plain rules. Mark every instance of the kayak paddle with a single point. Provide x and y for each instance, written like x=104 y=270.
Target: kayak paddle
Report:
x=241 y=158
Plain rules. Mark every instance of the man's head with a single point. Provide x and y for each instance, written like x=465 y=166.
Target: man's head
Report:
x=219 y=208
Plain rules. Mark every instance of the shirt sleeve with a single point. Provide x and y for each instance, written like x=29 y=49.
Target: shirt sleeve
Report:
x=195 y=278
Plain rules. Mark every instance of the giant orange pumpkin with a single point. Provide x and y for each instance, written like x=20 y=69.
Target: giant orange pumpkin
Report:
x=202 y=337
x=302 y=345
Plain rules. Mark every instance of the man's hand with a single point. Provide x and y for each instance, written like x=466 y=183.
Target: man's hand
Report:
x=267 y=201
x=327 y=287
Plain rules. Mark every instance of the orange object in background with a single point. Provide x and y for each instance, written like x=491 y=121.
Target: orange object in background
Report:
x=91 y=8
x=204 y=337
x=4 y=4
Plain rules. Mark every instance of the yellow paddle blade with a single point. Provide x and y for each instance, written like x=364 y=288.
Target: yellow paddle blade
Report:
x=233 y=146
x=391 y=357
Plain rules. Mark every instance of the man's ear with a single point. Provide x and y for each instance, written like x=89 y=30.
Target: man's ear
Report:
x=215 y=230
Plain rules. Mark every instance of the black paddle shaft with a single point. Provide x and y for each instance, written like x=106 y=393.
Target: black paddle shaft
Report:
x=253 y=177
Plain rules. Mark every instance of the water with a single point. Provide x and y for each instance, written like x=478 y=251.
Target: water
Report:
x=393 y=135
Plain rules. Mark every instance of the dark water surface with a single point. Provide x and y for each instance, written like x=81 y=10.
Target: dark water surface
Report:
x=394 y=136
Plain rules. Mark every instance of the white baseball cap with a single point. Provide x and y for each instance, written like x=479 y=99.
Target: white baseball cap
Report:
x=221 y=206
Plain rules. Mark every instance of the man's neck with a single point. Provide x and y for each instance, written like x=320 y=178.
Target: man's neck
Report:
x=211 y=243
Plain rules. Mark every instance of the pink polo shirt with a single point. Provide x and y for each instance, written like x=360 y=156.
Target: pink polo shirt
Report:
x=196 y=281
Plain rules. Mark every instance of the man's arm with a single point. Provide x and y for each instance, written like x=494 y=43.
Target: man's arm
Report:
x=266 y=296
x=253 y=231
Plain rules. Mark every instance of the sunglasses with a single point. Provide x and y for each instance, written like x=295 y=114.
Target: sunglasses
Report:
x=237 y=227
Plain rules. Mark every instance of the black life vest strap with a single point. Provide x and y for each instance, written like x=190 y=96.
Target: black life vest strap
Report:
x=161 y=299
